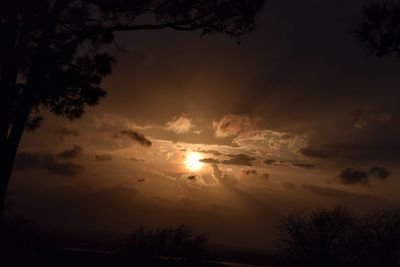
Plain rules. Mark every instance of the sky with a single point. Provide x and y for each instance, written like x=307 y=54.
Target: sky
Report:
x=223 y=137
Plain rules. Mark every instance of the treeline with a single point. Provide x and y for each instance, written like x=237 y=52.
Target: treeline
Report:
x=340 y=237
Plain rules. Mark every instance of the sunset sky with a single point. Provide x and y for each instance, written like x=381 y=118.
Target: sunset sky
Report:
x=223 y=137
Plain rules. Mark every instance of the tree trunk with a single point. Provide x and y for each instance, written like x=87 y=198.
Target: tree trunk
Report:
x=6 y=167
x=9 y=152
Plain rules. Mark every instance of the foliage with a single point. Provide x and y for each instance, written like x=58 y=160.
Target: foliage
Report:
x=379 y=30
x=56 y=47
x=178 y=242
x=339 y=237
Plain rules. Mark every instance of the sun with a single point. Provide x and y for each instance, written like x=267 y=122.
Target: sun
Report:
x=193 y=162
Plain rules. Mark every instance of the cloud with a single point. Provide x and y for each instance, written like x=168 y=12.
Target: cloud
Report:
x=210 y=161
x=233 y=125
x=72 y=153
x=331 y=192
x=238 y=159
x=361 y=118
x=266 y=175
x=250 y=172
x=274 y=162
x=180 y=125
x=194 y=180
x=212 y=152
x=136 y=159
x=271 y=140
x=379 y=172
x=289 y=186
x=68 y=132
x=254 y=172
x=304 y=165
x=313 y=152
x=216 y=172
x=47 y=162
x=352 y=176
x=191 y=177
x=138 y=137
x=103 y=157
x=356 y=150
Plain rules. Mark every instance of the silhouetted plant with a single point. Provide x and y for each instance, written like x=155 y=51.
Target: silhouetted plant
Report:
x=179 y=242
x=339 y=237
x=379 y=30
x=52 y=53
x=376 y=239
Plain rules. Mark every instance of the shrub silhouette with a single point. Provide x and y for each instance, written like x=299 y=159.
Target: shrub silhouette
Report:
x=340 y=237
x=179 y=242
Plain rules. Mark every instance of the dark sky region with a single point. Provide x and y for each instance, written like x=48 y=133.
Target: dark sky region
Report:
x=224 y=137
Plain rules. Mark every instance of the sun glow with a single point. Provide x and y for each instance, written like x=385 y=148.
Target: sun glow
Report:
x=193 y=162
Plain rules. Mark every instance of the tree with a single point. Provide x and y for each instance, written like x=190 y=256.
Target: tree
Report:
x=178 y=242
x=339 y=237
x=379 y=30
x=317 y=238
x=52 y=53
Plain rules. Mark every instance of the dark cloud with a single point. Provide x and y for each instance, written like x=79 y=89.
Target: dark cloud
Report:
x=232 y=125
x=48 y=162
x=136 y=159
x=138 y=137
x=191 y=177
x=369 y=149
x=304 y=165
x=331 y=192
x=103 y=157
x=64 y=132
x=240 y=159
x=254 y=172
x=212 y=152
x=352 y=176
x=210 y=161
x=72 y=153
x=194 y=179
x=141 y=180
x=379 y=172
x=361 y=118
x=314 y=152
x=274 y=162
x=250 y=172
x=270 y=161
x=289 y=186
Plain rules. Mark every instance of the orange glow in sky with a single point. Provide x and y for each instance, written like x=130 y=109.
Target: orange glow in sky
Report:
x=193 y=162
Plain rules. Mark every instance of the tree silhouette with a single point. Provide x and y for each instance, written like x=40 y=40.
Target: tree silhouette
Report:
x=339 y=237
x=379 y=30
x=52 y=53
x=179 y=242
